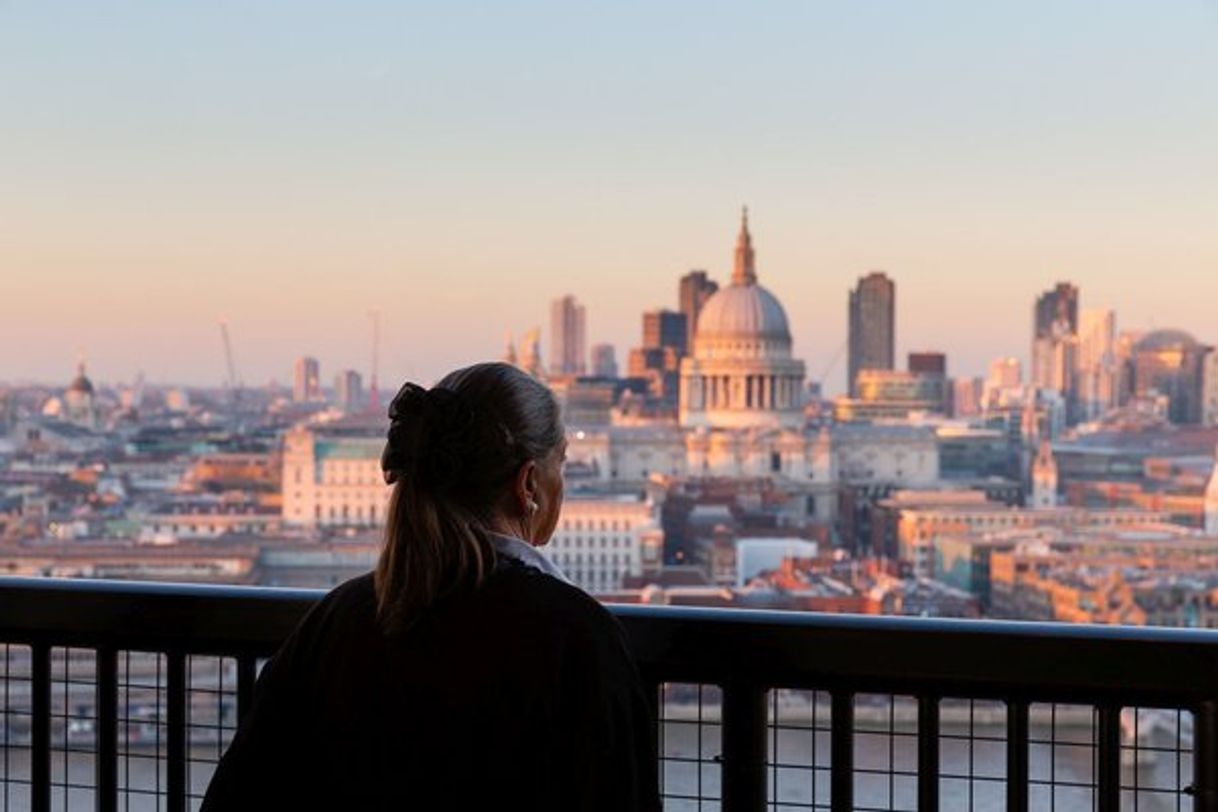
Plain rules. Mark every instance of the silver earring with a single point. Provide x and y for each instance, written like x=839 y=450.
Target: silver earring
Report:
x=532 y=506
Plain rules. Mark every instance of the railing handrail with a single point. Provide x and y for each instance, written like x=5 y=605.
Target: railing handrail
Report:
x=1042 y=661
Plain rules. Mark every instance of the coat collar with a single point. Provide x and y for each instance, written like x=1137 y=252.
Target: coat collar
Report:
x=525 y=553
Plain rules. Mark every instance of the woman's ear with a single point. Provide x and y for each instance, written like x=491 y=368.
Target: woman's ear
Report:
x=526 y=486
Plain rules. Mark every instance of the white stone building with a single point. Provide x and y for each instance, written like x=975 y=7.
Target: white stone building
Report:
x=332 y=475
x=600 y=541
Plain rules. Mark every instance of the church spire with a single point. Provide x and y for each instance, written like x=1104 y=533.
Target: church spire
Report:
x=745 y=270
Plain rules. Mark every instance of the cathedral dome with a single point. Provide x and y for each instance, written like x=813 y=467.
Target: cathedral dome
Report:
x=1166 y=340
x=743 y=319
x=743 y=311
x=81 y=383
x=740 y=374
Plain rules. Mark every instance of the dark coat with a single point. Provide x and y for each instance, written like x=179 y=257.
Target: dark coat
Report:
x=518 y=695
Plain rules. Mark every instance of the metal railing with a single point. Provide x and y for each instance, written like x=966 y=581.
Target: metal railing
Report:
x=735 y=691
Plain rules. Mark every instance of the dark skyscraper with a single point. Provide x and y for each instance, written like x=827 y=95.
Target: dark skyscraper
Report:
x=1057 y=307
x=1055 y=345
x=695 y=289
x=928 y=363
x=666 y=328
x=659 y=359
x=872 y=326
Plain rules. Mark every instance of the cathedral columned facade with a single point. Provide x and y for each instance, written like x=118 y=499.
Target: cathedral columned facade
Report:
x=741 y=374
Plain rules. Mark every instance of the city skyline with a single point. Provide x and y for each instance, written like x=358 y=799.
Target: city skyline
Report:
x=286 y=181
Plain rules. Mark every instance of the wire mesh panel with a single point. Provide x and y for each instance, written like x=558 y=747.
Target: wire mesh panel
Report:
x=142 y=730
x=1062 y=753
x=16 y=718
x=885 y=752
x=73 y=728
x=211 y=719
x=690 y=729
x=799 y=750
x=972 y=755
x=1156 y=759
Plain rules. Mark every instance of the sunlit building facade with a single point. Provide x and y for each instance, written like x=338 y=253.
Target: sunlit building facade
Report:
x=332 y=476
x=601 y=541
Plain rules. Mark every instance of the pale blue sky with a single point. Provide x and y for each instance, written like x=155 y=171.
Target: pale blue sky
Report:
x=289 y=165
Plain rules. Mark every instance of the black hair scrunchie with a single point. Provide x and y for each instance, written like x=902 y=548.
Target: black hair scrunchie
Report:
x=429 y=437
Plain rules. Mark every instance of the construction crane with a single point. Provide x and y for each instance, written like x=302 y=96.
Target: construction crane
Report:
x=833 y=362
x=374 y=393
x=233 y=385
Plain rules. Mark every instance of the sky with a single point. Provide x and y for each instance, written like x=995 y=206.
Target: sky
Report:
x=287 y=167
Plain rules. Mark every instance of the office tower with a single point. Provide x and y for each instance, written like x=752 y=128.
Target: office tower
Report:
x=928 y=363
x=604 y=361
x=694 y=289
x=1055 y=308
x=1055 y=345
x=872 y=317
x=1003 y=386
x=966 y=397
x=659 y=358
x=568 y=352
x=1096 y=363
x=349 y=390
x=665 y=328
x=306 y=381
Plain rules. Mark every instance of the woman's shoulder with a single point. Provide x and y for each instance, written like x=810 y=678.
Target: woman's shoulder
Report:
x=340 y=614
x=561 y=602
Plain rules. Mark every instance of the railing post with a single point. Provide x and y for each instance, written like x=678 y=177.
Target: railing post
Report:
x=744 y=748
x=928 y=754
x=841 y=749
x=175 y=751
x=1205 y=757
x=1017 y=756
x=40 y=734
x=1108 y=757
x=106 y=766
